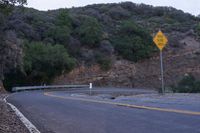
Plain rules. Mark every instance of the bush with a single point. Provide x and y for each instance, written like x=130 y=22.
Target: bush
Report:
x=132 y=42
x=61 y=31
x=90 y=32
x=63 y=18
x=198 y=29
x=104 y=62
x=60 y=35
x=16 y=77
x=187 y=85
x=42 y=62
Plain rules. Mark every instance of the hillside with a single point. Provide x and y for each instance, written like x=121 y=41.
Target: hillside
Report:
x=113 y=42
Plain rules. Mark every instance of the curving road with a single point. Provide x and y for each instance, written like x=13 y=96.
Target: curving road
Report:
x=56 y=114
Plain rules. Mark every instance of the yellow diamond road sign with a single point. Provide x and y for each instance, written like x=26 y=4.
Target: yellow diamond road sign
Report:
x=160 y=40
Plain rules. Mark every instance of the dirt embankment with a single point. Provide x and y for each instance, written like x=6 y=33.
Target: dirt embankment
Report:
x=142 y=74
x=181 y=59
x=9 y=122
x=2 y=90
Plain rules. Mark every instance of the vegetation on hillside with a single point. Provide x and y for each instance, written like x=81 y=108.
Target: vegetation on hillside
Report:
x=132 y=42
x=10 y=48
x=42 y=62
x=88 y=35
x=187 y=85
x=198 y=29
x=89 y=32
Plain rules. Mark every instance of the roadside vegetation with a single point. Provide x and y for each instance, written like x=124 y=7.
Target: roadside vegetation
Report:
x=187 y=85
x=132 y=42
x=198 y=29
x=41 y=63
x=36 y=46
x=45 y=61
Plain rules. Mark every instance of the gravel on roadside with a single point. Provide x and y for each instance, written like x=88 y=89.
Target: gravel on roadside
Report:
x=9 y=122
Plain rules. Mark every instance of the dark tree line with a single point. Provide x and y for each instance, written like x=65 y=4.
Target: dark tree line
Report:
x=10 y=49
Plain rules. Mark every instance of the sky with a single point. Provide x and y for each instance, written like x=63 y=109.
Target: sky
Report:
x=189 y=6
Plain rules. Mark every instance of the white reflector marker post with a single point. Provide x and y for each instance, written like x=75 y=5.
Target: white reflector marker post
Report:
x=90 y=89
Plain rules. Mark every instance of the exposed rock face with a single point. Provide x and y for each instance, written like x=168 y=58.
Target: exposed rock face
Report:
x=120 y=75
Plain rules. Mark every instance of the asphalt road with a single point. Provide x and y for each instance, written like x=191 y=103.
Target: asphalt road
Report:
x=60 y=115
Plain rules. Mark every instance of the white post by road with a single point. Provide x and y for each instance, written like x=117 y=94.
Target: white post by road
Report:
x=90 y=88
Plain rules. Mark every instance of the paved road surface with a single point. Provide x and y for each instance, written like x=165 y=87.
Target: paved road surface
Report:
x=58 y=115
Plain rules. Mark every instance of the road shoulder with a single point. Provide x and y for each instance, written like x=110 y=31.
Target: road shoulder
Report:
x=9 y=122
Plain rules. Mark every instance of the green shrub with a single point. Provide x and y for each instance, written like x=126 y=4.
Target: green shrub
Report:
x=90 y=32
x=104 y=62
x=63 y=18
x=198 y=29
x=61 y=30
x=132 y=42
x=187 y=85
x=15 y=78
x=60 y=35
x=42 y=62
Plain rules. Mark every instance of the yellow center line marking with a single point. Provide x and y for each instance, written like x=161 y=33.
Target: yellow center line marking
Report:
x=126 y=105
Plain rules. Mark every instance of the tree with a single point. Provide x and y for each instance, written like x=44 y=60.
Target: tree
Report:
x=42 y=62
x=90 y=32
x=13 y=2
x=10 y=53
x=9 y=44
x=198 y=29
x=132 y=42
x=6 y=5
x=188 y=84
x=62 y=29
x=60 y=34
x=63 y=18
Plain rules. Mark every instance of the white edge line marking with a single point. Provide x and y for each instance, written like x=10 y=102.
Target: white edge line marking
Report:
x=24 y=120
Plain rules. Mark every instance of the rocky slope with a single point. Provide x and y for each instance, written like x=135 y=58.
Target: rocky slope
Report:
x=178 y=61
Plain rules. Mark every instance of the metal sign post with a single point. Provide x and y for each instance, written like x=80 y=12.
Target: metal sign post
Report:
x=162 y=72
x=161 y=40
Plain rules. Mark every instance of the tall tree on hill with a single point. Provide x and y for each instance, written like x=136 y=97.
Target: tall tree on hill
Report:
x=13 y=2
x=10 y=51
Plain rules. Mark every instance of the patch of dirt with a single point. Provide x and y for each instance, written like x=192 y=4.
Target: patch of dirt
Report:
x=9 y=122
x=2 y=90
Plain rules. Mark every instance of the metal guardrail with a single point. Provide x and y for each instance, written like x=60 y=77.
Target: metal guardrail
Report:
x=15 y=89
